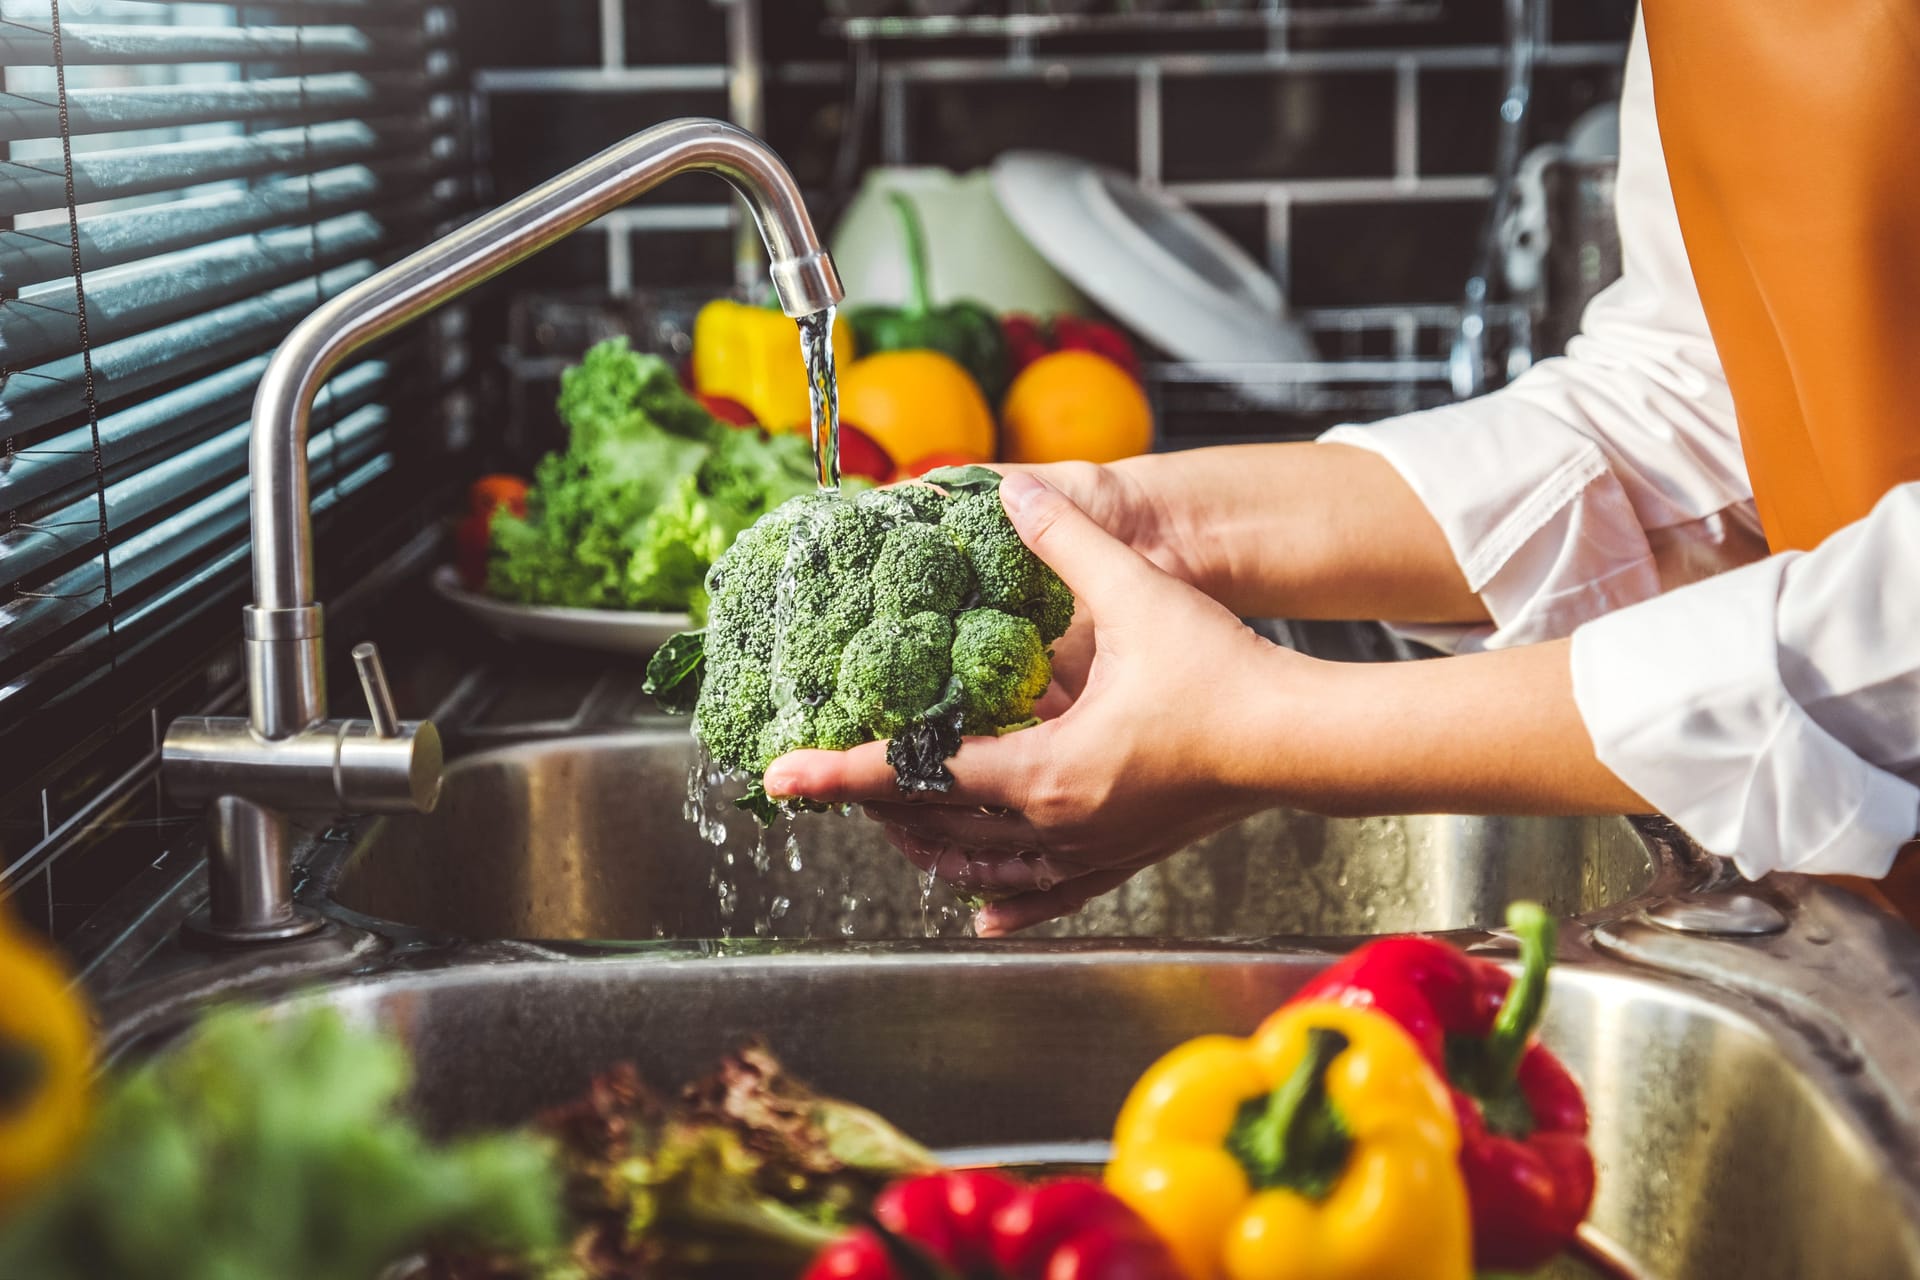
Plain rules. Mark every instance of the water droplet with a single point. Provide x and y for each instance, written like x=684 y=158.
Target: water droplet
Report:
x=780 y=907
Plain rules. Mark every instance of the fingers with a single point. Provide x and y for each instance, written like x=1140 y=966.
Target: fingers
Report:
x=833 y=777
x=990 y=772
x=1029 y=909
x=984 y=871
x=1001 y=830
x=1095 y=564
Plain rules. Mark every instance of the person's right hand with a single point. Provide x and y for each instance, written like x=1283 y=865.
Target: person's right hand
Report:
x=1121 y=499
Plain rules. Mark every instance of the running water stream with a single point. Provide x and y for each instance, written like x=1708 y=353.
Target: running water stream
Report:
x=823 y=396
x=756 y=888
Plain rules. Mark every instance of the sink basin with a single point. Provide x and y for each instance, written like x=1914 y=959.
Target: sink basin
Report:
x=586 y=838
x=1722 y=1150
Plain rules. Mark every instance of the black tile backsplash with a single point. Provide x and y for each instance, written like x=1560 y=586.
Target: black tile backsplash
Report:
x=1361 y=254
x=535 y=135
x=88 y=873
x=31 y=903
x=132 y=743
x=964 y=126
x=1308 y=125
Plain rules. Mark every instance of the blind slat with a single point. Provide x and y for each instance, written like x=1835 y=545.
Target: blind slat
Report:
x=24 y=116
x=138 y=171
x=179 y=601
x=94 y=44
x=36 y=397
x=44 y=327
x=32 y=619
x=114 y=239
x=26 y=550
x=37 y=474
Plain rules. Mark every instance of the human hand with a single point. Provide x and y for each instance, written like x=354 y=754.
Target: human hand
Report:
x=1167 y=740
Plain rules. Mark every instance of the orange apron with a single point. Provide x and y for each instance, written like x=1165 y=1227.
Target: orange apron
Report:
x=1792 y=135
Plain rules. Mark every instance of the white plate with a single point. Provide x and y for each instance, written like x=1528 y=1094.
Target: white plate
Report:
x=607 y=630
x=1152 y=262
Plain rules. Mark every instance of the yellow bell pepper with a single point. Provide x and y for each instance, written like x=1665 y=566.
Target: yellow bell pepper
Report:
x=1324 y=1148
x=752 y=355
x=46 y=1047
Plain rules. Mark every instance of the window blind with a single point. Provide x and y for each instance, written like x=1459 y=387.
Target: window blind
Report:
x=180 y=184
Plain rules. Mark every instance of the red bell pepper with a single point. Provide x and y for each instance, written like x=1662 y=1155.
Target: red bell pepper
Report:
x=1523 y=1121
x=473 y=537
x=979 y=1224
x=1028 y=339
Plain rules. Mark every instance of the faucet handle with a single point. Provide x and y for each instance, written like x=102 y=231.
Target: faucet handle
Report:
x=373 y=680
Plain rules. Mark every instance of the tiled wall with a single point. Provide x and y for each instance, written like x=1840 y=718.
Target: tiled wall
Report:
x=1373 y=143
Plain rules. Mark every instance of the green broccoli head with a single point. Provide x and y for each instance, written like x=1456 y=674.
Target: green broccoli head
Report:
x=1003 y=667
x=911 y=614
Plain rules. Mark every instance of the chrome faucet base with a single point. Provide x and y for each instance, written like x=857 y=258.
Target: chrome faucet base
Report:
x=200 y=927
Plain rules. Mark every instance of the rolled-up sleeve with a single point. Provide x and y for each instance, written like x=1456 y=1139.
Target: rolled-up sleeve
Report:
x=1601 y=477
x=1773 y=712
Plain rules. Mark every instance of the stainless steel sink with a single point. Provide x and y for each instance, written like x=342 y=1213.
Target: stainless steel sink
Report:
x=586 y=838
x=1731 y=1142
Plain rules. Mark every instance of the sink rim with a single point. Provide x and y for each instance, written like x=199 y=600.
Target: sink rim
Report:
x=1679 y=865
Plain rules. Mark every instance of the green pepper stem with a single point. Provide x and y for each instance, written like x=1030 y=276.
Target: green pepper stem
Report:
x=1526 y=998
x=1272 y=1139
x=919 y=292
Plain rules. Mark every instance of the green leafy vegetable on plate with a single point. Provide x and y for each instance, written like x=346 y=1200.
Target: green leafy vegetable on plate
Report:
x=649 y=492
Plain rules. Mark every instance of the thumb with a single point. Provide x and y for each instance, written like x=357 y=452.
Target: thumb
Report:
x=1092 y=562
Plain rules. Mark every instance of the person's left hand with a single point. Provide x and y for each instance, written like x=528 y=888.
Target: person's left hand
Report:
x=1171 y=737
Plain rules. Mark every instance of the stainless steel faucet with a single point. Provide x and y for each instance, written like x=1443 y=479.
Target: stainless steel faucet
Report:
x=286 y=755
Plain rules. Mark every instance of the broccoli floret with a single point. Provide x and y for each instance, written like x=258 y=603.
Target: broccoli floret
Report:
x=832 y=622
x=735 y=705
x=914 y=502
x=1010 y=577
x=1002 y=666
x=796 y=725
x=894 y=669
x=920 y=570
x=747 y=578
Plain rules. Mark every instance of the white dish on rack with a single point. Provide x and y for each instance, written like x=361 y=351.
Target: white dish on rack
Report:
x=1153 y=263
x=633 y=632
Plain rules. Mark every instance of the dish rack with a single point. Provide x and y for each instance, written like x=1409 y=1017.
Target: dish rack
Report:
x=1030 y=19
x=1374 y=362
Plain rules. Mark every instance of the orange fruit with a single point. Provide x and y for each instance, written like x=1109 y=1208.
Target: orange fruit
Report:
x=1074 y=406
x=915 y=403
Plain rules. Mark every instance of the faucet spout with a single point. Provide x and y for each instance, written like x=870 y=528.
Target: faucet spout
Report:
x=803 y=276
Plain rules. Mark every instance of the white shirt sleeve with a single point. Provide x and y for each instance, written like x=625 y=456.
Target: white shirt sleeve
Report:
x=1773 y=710
x=1601 y=477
